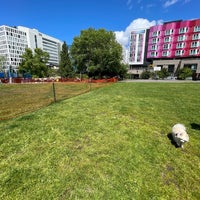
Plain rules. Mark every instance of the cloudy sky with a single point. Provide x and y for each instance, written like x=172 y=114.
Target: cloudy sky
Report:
x=64 y=19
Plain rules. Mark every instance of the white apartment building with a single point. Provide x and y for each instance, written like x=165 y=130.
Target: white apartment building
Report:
x=14 y=41
x=12 y=44
x=137 y=52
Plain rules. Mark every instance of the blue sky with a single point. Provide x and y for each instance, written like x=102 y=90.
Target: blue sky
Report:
x=64 y=19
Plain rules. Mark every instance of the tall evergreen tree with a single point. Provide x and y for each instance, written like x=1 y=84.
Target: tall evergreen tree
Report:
x=65 y=66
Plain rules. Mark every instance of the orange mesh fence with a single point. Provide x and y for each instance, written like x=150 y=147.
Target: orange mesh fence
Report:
x=41 y=80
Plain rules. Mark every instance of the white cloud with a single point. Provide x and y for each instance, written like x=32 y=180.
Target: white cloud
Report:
x=140 y=23
x=122 y=38
x=170 y=3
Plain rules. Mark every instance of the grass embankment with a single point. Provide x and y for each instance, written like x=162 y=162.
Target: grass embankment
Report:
x=111 y=143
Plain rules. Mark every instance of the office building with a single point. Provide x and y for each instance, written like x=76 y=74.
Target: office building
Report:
x=14 y=41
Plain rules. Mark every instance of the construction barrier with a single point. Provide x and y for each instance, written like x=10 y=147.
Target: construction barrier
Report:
x=42 y=80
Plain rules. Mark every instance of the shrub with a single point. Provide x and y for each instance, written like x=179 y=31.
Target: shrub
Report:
x=183 y=73
x=163 y=73
x=145 y=74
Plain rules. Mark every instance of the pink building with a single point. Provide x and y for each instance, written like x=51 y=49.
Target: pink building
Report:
x=175 y=45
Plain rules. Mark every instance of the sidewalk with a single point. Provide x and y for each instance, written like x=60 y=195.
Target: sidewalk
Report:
x=160 y=81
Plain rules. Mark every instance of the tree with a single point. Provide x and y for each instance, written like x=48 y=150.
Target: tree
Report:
x=122 y=71
x=34 y=64
x=65 y=66
x=40 y=60
x=97 y=52
x=183 y=73
x=26 y=66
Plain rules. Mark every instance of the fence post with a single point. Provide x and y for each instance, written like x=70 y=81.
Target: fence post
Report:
x=54 y=92
x=90 y=80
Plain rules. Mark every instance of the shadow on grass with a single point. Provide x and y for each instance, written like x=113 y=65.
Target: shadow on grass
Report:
x=195 y=126
x=169 y=135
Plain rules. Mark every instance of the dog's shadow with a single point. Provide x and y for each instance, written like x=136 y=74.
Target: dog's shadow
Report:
x=195 y=126
x=169 y=135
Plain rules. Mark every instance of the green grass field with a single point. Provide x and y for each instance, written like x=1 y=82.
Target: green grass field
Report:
x=110 y=143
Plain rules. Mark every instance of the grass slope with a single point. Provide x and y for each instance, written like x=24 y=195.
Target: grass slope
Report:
x=111 y=143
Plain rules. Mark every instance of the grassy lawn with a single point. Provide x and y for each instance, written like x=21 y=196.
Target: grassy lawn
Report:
x=110 y=143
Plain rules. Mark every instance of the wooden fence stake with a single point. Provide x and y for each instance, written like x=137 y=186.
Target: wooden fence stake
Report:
x=54 y=92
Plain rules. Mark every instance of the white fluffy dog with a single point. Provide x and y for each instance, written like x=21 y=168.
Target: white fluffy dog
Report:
x=179 y=134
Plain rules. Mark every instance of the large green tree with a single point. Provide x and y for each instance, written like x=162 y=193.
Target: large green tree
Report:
x=97 y=52
x=34 y=63
x=65 y=66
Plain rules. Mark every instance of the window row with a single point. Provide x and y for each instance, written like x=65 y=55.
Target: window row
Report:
x=16 y=52
x=178 y=45
x=177 y=53
x=180 y=31
x=15 y=30
x=22 y=40
x=180 y=38
x=17 y=44
x=17 y=47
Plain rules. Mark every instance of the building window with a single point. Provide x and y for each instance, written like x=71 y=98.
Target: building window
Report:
x=196 y=28
x=167 y=39
x=181 y=37
x=155 y=33
x=154 y=47
x=194 y=51
x=155 y=40
x=196 y=36
x=195 y=44
x=154 y=54
x=183 y=30
x=36 y=42
x=180 y=45
x=169 y=32
x=166 y=46
x=165 y=53
x=171 y=68
x=179 y=52
x=194 y=67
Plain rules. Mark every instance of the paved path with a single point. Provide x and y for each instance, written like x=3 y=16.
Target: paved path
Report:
x=160 y=81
